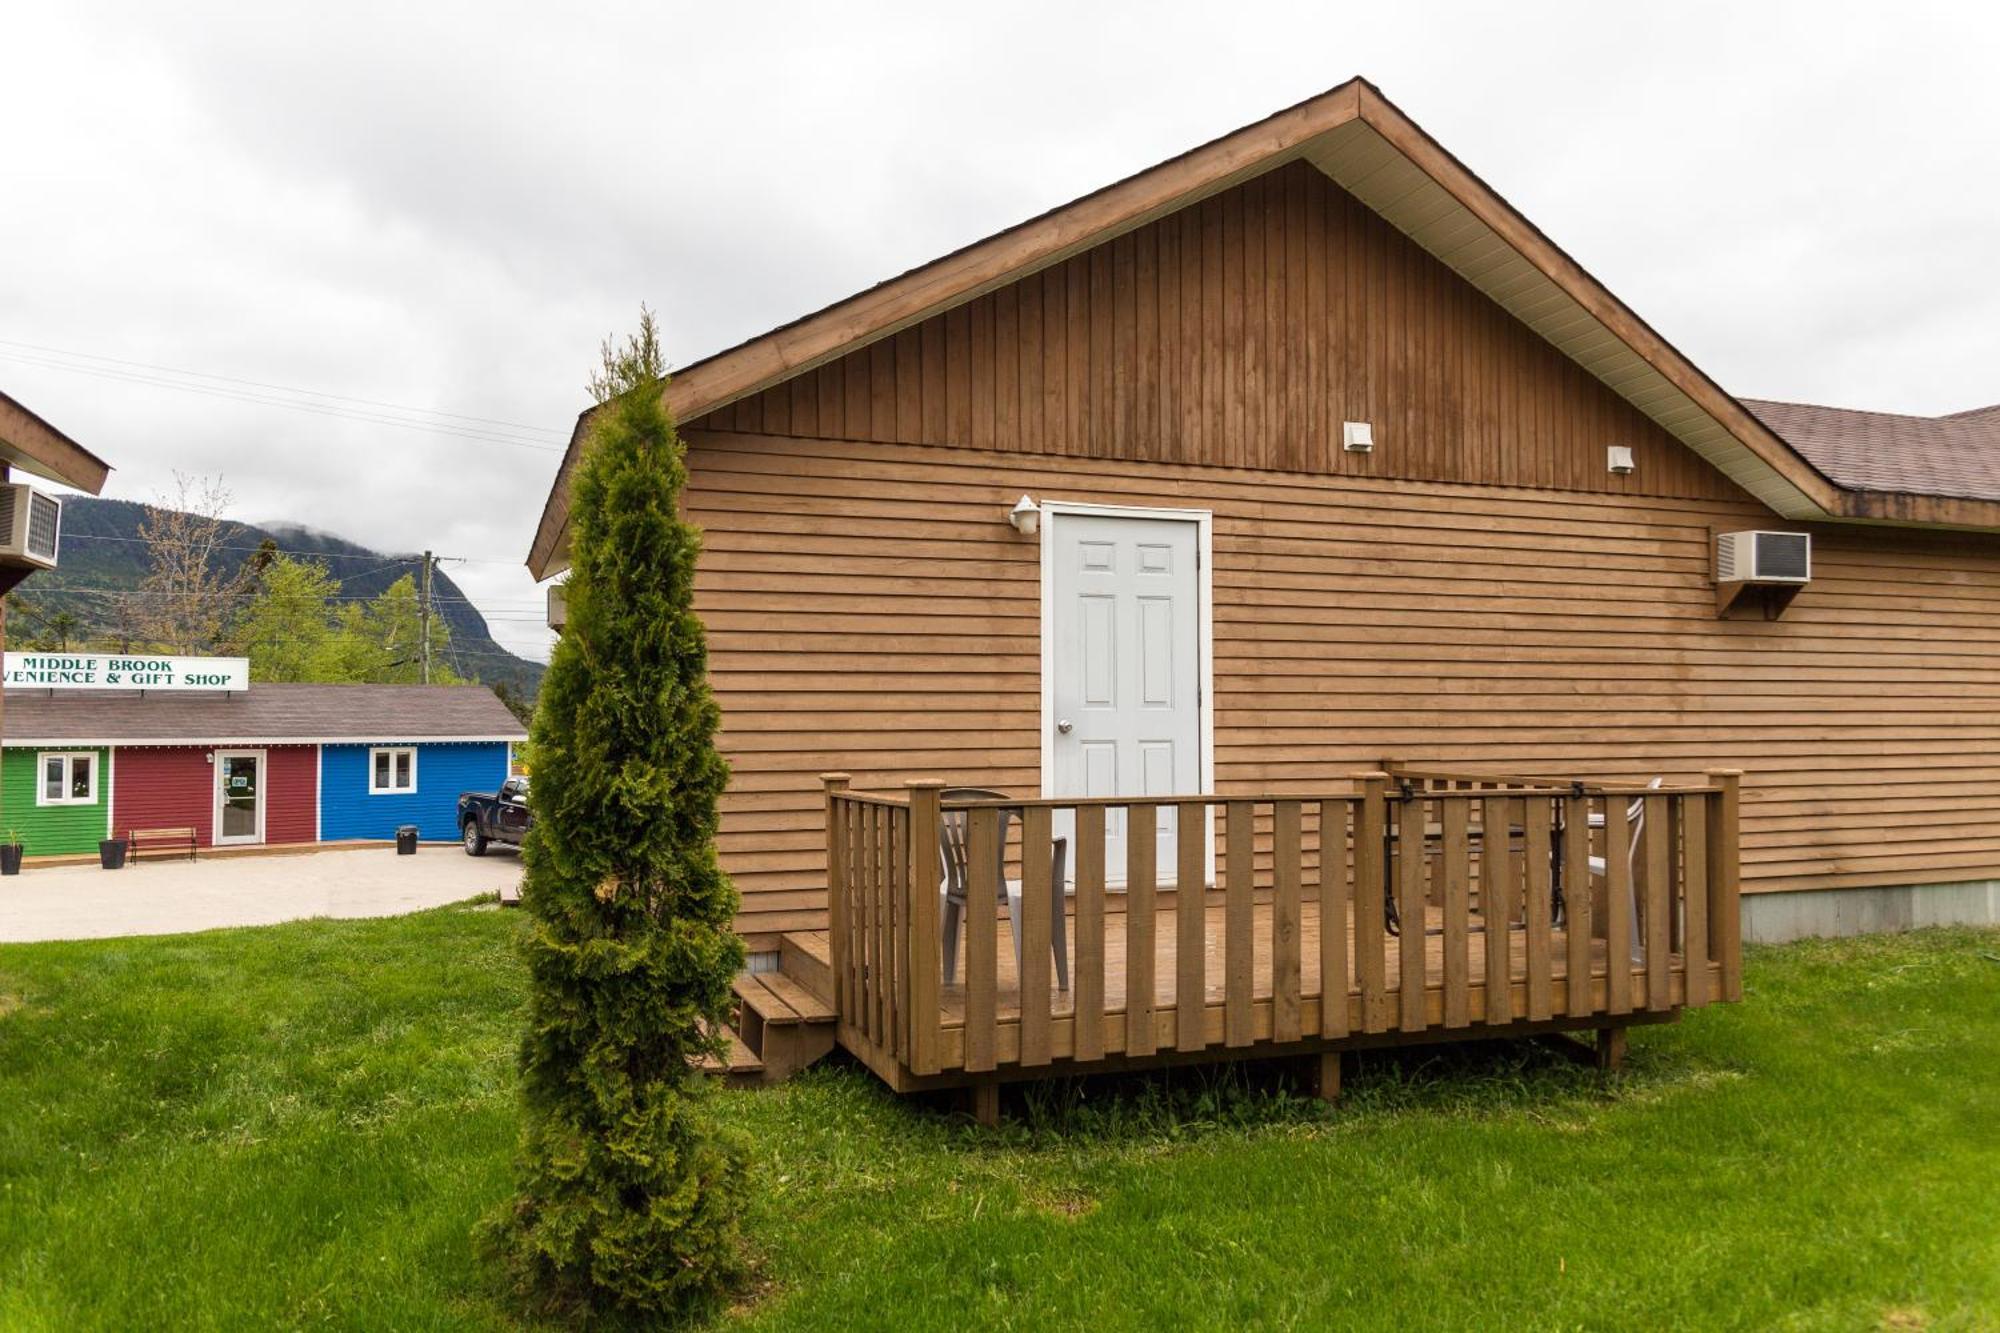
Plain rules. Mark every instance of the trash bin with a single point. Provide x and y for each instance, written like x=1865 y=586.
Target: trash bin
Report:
x=406 y=840
x=111 y=853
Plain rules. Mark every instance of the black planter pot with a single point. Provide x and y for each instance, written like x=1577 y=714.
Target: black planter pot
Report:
x=111 y=853
x=10 y=858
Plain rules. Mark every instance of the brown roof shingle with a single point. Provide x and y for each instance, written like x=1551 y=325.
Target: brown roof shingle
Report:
x=1957 y=456
x=267 y=714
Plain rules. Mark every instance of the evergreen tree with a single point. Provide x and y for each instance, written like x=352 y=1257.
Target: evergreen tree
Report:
x=629 y=1195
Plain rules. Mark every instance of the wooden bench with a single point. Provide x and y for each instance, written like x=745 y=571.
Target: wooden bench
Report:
x=175 y=838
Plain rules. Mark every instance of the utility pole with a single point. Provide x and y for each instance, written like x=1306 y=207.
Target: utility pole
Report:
x=427 y=618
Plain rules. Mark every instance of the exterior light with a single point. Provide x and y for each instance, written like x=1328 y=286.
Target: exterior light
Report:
x=1357 y=437
x=1619 y=458
x=558 y=607
x=1026 y=515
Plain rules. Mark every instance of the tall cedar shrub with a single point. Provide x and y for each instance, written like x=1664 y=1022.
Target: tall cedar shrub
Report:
x=629 y=1194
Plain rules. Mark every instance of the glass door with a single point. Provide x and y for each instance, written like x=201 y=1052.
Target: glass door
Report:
x=239 y=812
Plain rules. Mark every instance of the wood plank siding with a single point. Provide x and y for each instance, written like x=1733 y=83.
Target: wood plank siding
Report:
x=1479 y=591
x=871 y=611
x=1243 y=331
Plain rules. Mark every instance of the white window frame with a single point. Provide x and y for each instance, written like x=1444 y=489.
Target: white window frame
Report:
x=69 y=758
x=392 y=751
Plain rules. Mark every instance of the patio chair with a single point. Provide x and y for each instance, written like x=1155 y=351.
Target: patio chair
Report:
x=1635 y=818
x=954 y=838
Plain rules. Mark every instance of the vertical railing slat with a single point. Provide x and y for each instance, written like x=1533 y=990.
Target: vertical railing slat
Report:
x=1239 y=926
x=1576 y=906
x=1496 y=900
x=1142 y=854
x=1336 y=871
x=1455 y=861
x=982 y=897
x=1370 y=883
x=1694 y=898
x=924 y=1018
x=1287 y=876
x=836 y=888
x=857 y=934
x=1191 y=926
x=1725 y=885
x=1087 y=959
x=866 y=869
x=1036 y=925
x=1536 y=927
x=1617 y=905
x=1411 y=894
x=898 y=883
x=1658 y=853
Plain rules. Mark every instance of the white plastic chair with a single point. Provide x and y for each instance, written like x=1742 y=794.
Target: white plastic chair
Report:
x=1635 y=818
x=954 y=838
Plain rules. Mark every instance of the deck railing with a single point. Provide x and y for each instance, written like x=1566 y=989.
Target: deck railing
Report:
x=1503 y=901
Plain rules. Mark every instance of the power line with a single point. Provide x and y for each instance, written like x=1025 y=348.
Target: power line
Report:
x=328 y=409
x=261 y=384
x=411 y=558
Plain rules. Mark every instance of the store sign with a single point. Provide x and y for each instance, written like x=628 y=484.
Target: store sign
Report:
x=118 y=671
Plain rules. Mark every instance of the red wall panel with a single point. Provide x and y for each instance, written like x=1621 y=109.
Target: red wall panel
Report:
x=291 y=793
x=169 y=786
x=162 y=788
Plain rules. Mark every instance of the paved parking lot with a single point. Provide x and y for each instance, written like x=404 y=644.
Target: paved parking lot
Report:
x=169 y=897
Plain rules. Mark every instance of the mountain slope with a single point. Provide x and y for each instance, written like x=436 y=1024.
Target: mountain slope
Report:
x=104 y=561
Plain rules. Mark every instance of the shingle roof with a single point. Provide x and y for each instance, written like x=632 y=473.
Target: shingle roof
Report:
x=1956 y=456
x=263 y=714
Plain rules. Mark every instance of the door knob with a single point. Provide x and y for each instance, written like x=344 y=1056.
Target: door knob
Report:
x=1063 y=725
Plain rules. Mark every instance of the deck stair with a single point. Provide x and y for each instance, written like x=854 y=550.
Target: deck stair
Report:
x=784 y=1017
x=740 y=1066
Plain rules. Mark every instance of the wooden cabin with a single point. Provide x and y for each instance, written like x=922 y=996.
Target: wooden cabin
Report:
x=1296 y=521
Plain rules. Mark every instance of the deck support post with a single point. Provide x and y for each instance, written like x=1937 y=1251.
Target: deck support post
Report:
x=984 y=1095
x=1323 y=1070
x=1610 y=1049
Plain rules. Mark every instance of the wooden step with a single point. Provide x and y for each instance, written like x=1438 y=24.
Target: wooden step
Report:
x=805 y=957
x=741 y=1067
x=786 y=1025
x=779 y=999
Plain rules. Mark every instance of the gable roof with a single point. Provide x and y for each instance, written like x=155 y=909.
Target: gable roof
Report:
x=1376 y=153
x=267 y=714
x=1956 y=456
x=33 y=445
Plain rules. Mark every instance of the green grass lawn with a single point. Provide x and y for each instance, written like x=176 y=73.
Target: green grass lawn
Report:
x=300 y=1124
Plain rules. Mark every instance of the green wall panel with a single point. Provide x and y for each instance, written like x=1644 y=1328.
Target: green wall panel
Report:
x=49 y=830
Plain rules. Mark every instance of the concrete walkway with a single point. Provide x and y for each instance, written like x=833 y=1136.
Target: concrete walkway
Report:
x=169 y=897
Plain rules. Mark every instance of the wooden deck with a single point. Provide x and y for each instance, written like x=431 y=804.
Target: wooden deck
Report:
x=1447 y=1004
x=1301 y=906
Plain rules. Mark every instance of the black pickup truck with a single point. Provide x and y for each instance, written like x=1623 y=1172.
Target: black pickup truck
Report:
x=485 y=817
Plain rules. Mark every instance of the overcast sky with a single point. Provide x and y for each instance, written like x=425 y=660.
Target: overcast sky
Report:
x=444 y=207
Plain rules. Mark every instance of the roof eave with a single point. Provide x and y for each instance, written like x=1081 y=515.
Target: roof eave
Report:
x=33 y=445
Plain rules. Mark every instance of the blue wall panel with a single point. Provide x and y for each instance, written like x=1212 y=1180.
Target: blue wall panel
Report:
x=443 y=771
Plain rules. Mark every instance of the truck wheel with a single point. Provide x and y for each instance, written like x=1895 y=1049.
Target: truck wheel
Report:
x=475 y=841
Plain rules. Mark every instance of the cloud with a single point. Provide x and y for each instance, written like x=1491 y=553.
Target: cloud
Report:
x=448 y=205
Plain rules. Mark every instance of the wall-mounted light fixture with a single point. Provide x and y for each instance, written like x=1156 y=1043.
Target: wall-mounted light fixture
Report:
x=1357 y=437
x=1026 y=515
x=1618 y=457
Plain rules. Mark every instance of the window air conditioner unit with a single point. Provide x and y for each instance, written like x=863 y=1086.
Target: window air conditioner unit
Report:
x=30 y=526
x=558 y=607
x=1763 y=557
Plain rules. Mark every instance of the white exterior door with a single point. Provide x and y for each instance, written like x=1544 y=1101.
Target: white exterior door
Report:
x=1125 y=666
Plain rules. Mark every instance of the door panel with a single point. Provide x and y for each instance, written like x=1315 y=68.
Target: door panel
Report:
x=1126 y=672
